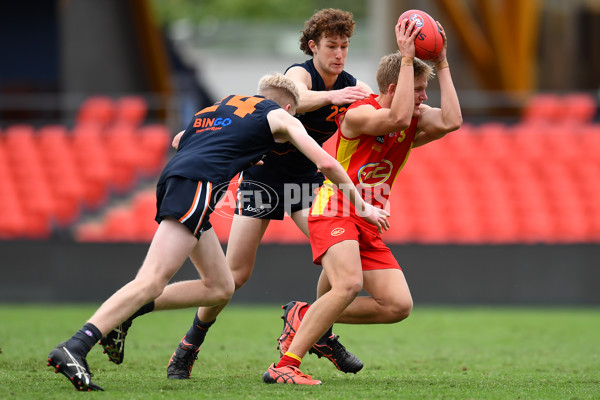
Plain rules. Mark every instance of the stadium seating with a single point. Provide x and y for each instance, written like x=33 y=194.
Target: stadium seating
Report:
x=534 y=181
x=53 y=175
x=130 y=110
x=154 y=141
x=93 y=164
x=100 y=110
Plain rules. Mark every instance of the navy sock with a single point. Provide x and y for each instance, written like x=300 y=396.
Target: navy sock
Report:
x=145 y=309
x=197 y=332
x=326 y=336
x=84 y=339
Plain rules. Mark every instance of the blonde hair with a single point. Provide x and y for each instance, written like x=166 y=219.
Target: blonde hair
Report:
x=389 y=68
x=280 y=89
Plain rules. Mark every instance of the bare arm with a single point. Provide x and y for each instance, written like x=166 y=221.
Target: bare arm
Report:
x=287 y=128
x=311 y=100
x=435 y=123
x=366 y=120
x=176 y=139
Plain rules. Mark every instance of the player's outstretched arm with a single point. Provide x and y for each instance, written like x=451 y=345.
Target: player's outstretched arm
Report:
x=287 y=128
x=366 y=120
x=311 y=100
x=437 y=122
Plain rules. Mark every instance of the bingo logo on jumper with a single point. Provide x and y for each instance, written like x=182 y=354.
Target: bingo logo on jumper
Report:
x=374 y=174
x=253 y=198
x=211 y=122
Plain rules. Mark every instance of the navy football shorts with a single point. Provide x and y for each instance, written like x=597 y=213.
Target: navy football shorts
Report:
x=190 y=202
x=272 y=200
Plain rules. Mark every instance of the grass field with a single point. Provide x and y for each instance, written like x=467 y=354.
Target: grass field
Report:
x=438 y=353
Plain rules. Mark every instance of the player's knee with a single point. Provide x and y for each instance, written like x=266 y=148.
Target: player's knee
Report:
x=355 y=288
x=349 y=289
x=151 y=288
x=241 y=269
x=240 y=278
x=399 y=309
x=230 y=289
x=223 y=291
x=222 y=296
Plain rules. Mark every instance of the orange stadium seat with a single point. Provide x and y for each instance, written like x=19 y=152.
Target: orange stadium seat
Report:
x=19 y=138
x=119 y=225
x=61 y=171
x=12 y=219
x=530 y=140
x=93 y=163
x=131 y=110
x=401 y=231
x=155 y=143
x=39 y=208
x=30 y=181
x=144 y=204
x=13 y=223
x=494 y=140
x=592 y=212
x=572 y=223
x=430 y=225
x=401 y=199
x=590 y=141
x=89 y=232
x=543 y=107
x=124 y=155
x=579 y=107
x=143 y=208
x=133 y=222
x=99 y=110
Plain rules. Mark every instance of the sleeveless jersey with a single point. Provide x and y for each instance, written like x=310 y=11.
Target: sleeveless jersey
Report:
x=223 y=139
x=285 y=161
x=372 y=162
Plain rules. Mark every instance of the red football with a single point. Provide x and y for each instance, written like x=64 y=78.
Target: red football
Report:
x=429 y=42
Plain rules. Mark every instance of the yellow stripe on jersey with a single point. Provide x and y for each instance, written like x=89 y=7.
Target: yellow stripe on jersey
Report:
x=346 y=148
x=322 y=198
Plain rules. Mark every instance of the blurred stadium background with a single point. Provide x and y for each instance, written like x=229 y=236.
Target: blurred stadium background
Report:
x=504 y=211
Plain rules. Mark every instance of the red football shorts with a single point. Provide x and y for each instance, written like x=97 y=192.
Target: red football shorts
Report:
x=324 y=232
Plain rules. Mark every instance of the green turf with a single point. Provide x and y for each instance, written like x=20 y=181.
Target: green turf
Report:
x=438 y=353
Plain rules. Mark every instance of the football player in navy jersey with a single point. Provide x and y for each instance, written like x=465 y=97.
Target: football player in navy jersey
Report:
x=326 y=89
x=220 y=141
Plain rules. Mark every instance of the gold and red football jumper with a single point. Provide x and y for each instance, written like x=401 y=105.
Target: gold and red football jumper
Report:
x=372 y=162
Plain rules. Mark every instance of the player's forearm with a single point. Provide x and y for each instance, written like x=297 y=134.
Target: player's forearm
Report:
x=313 y=100
x=450 y=105
x=402 y=107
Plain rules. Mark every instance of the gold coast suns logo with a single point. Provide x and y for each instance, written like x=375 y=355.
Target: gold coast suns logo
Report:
x=374 y=174
x=337 y=231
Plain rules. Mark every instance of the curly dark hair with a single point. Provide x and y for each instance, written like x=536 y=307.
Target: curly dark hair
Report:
x=327 y=22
